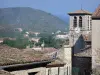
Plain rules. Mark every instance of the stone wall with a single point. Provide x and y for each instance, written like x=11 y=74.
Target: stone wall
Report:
x=44 y=71
x=83 y=64
x=95 y=43
x=86 y=22
x=39 y=71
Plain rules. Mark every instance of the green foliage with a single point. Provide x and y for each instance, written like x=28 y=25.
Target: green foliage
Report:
x=30 y=19
x=32 y=35
x=18 y=43
x=50 y=41
x=9 y=42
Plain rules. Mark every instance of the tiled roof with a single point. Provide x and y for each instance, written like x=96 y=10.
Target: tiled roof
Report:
x=57 y=62
x=10 y=56
x=96 y=14
x=49 y=49
x=86 y=52
x=80 y=12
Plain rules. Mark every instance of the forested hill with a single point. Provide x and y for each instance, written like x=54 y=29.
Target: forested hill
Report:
x=29 y=19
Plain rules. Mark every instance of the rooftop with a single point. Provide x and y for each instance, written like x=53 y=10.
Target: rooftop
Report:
x=86 y=52
x=11 y=56
x=96 y=14
x=58 y=62
x=78 y=12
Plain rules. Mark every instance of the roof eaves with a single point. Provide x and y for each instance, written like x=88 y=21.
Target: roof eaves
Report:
x=32 y=63
x=80 y=12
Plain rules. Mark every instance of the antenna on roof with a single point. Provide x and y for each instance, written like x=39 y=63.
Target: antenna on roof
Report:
x=81 y=7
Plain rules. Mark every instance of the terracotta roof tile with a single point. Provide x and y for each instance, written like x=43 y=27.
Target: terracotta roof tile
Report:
x=9 y=56
x=96 y=14
x=80 y=12
x=56 y=62
x=86 y=52
x=50 y=49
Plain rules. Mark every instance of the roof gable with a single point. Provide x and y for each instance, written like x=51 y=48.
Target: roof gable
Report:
x=96 y=14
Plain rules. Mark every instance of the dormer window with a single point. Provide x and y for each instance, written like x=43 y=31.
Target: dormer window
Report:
x=75 y=22
x=80 y=21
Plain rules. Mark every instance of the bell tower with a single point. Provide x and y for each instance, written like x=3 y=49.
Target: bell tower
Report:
x=81 y=19
x=80 y=23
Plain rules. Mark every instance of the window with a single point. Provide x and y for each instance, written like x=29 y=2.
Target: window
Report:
x=80 y=21
x=49 y=71
x=67 y=70
x=32 y=73
x=58 y=70
x=90 y=23
x=75 y=22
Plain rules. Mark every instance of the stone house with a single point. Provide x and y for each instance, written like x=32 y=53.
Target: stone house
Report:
x=30 y=62
x=96 y=39
x=80 y=41
x=85 y=44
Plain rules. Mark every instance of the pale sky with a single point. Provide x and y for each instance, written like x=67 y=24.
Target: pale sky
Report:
x=56 y=7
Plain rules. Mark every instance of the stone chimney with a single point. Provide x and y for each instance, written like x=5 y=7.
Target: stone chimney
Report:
x=68 y=58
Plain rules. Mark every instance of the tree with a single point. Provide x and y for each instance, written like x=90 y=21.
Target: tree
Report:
x=18 y=43
x=50 y=41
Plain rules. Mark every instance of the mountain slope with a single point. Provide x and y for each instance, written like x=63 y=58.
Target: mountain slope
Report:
x=30 y=19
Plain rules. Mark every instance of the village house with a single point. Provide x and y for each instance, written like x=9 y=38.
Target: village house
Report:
x=31 y=62
x=96 y=40
x=84 y=33
x=61 y=36
x=34 y=39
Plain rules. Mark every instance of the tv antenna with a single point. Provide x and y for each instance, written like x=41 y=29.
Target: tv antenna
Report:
x=81 y=5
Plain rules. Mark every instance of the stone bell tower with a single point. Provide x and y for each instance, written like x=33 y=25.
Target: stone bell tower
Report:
x=80 y=23
x=81 y=19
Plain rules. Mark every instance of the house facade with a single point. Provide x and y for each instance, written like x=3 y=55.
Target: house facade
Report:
x=30 y=62
x=96 y=38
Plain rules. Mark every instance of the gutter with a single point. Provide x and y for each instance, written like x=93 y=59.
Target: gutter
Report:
x=27 y=64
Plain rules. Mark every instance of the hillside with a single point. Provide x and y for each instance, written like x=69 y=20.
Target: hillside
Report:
x=29 y=19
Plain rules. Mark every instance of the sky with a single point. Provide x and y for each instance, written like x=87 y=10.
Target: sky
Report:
x=56 y=7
